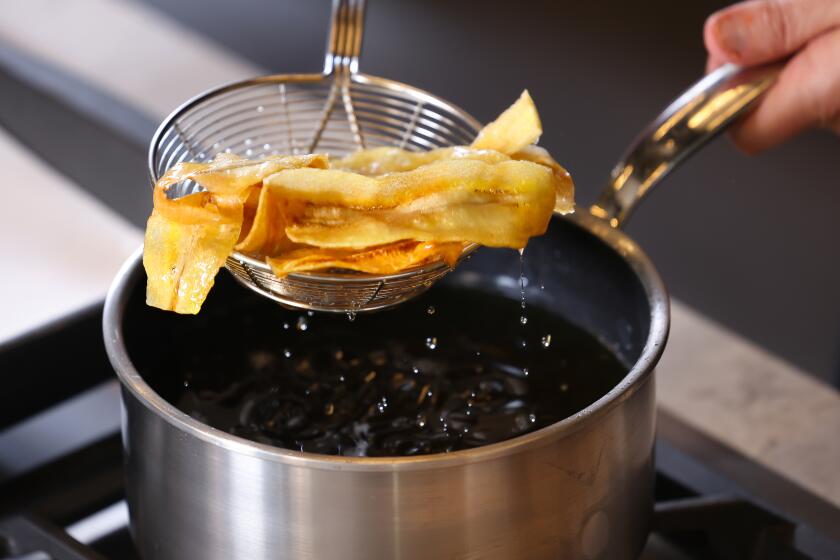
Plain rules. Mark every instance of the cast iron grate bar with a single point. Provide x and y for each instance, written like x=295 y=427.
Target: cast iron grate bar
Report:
x=39 y=361
x=28 y=535
x=69 y=488
x=726 y=527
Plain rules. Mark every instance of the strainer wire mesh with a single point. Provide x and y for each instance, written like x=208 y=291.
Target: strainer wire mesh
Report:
x=306 y=113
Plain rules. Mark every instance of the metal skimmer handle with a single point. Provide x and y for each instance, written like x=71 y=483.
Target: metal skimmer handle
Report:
x=690 y=121
x=345 y=41
x=341 y=62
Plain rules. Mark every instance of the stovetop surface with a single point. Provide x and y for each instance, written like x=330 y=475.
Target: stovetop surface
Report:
x=64 y=500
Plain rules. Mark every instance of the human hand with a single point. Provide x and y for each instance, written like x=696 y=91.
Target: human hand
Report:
x=807 y=92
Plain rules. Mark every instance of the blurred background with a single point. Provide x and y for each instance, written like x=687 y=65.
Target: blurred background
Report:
x=750 y=242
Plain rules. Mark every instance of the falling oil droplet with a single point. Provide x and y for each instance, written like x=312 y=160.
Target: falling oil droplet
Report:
x=415 y=369
x=525 y=371
x=523 y=320
x=301 y=324
x=532 y=418
x=522 y=279
x=430 y=310
x=431 y=342
x=351 y=316
x=286 y=326
x=546 y=341
x=287 y=353
x=310 y=313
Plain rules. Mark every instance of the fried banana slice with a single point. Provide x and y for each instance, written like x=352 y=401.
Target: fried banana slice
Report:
x=379 y=161
x=497 y=205
x=385 y=259
x=514 y=130
x=517 y=127
x=189 y=238
x=565 y=201
x=267 y=232
x=512 y=134
x=187 y=241
x=231 y=173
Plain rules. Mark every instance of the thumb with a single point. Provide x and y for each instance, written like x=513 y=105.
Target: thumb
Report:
x=761 y=31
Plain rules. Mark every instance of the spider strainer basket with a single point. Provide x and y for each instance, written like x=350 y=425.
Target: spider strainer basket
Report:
x=335 y=112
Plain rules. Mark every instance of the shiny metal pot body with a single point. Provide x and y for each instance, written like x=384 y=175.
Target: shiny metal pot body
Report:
x=581 y=488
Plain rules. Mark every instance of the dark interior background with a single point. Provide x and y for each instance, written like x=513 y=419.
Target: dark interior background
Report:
x=750 y=241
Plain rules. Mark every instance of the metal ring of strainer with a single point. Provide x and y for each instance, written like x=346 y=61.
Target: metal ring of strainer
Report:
x=336 y=112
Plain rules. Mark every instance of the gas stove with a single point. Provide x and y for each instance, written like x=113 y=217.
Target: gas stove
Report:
x=62 y=493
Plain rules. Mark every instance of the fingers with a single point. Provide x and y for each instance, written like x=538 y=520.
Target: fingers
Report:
x=760 y=31
x=806 y=94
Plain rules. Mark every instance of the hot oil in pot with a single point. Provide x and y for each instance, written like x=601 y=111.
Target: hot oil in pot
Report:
x=407 y=381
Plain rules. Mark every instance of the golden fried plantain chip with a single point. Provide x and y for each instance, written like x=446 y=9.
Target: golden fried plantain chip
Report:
x=517 y=127
x=498 y=205
x=385 y=259
x=512 y=134
x=378 y=161
x=231 y=174
x=188 y=238
x=187 y=241
x=565 y=202
x=267 y=233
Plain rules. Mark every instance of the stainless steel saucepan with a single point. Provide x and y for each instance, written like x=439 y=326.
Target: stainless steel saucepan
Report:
x=580 y=488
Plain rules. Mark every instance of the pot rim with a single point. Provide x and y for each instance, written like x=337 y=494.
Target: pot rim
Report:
x=641 y=371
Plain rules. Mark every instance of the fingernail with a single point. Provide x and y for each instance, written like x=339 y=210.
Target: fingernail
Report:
x=729 y=32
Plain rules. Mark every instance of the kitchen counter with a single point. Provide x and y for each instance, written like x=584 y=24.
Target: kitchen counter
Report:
x=751 y=401
x=741 y=396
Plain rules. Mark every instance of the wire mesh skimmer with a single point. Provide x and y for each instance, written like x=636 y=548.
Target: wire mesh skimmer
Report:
x=338 y=111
